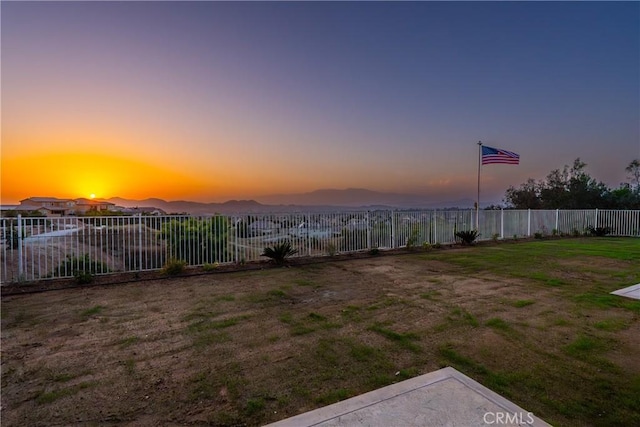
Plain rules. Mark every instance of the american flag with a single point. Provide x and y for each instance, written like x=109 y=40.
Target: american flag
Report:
x=496 y=155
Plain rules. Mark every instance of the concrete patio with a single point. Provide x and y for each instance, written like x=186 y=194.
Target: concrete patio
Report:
x=442 y=398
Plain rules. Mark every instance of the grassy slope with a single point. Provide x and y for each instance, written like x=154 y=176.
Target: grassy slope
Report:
x=578 y=384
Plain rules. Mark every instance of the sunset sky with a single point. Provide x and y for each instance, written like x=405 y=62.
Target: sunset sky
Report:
x=210 y=101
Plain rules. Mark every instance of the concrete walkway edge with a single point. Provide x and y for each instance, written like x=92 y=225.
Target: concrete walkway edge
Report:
x=630 y=292
x=445 y=386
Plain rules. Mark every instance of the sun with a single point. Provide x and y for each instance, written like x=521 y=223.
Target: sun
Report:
x=92 y=196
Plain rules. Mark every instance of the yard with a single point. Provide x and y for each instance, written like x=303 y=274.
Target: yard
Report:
x=532 y=320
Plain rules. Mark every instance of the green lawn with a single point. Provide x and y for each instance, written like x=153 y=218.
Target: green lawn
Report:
x=532 y=320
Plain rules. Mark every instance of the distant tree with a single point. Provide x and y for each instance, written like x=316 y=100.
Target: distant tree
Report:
x=493 y=207
x=567 y=188
x=624 y=197
x=14 y=213
x=97 y=213
x=583 y=191
x=527 y=196
x=553 y=192
x=197 y=241
x=634 y=171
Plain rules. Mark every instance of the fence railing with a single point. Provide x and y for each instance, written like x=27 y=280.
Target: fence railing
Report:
x=45 y=247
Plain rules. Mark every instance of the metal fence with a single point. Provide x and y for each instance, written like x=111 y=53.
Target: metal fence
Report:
x=46 y=247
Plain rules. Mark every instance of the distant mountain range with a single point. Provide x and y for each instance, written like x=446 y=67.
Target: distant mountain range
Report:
x=196 y=208
x=319 y=200
x=359 y=197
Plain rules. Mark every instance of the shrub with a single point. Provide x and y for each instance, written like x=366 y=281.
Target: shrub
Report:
x=173 y=267
x=198 y=241
x=211 y=267
x=82 y=268
x=331 y=249
x=467 y=237
x=83 y=278
x=599 y=231
x=426 y=246
x=279 y=252
x=538 y=235
x=495 y=237
x=412 y=240
x=374 y=251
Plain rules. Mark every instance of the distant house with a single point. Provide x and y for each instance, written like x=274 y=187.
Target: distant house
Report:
x=262 y=228
x=52 y=206
x=49 y=206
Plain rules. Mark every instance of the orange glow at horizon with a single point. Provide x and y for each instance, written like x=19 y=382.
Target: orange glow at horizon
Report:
x=73 y=175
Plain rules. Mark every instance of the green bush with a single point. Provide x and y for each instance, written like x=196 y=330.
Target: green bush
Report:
x=599 y=231
x=211 y=267
x=412 y=240
x=84 y=278
x=467 y=237
x=332 y=250
x=279 y=252
x=197 y=241
x=83 y=268
x=174 y=267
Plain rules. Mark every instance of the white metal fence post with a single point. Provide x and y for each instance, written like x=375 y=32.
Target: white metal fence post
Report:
x=20 y=249
x=434 y=220
x=368 y=218
x=528 y=222
x=308 y=222
x=236 y=237
x=393 y=230
x=501 y=223
x=139 y=242
x=557 y=215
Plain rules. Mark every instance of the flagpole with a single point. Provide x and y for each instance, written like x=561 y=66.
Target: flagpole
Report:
x=478 y=199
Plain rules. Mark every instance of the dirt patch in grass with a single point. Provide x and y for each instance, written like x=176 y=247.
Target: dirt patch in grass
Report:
x=252 y=347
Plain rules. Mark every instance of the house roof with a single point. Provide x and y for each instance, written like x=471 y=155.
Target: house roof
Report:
x=45 y=199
